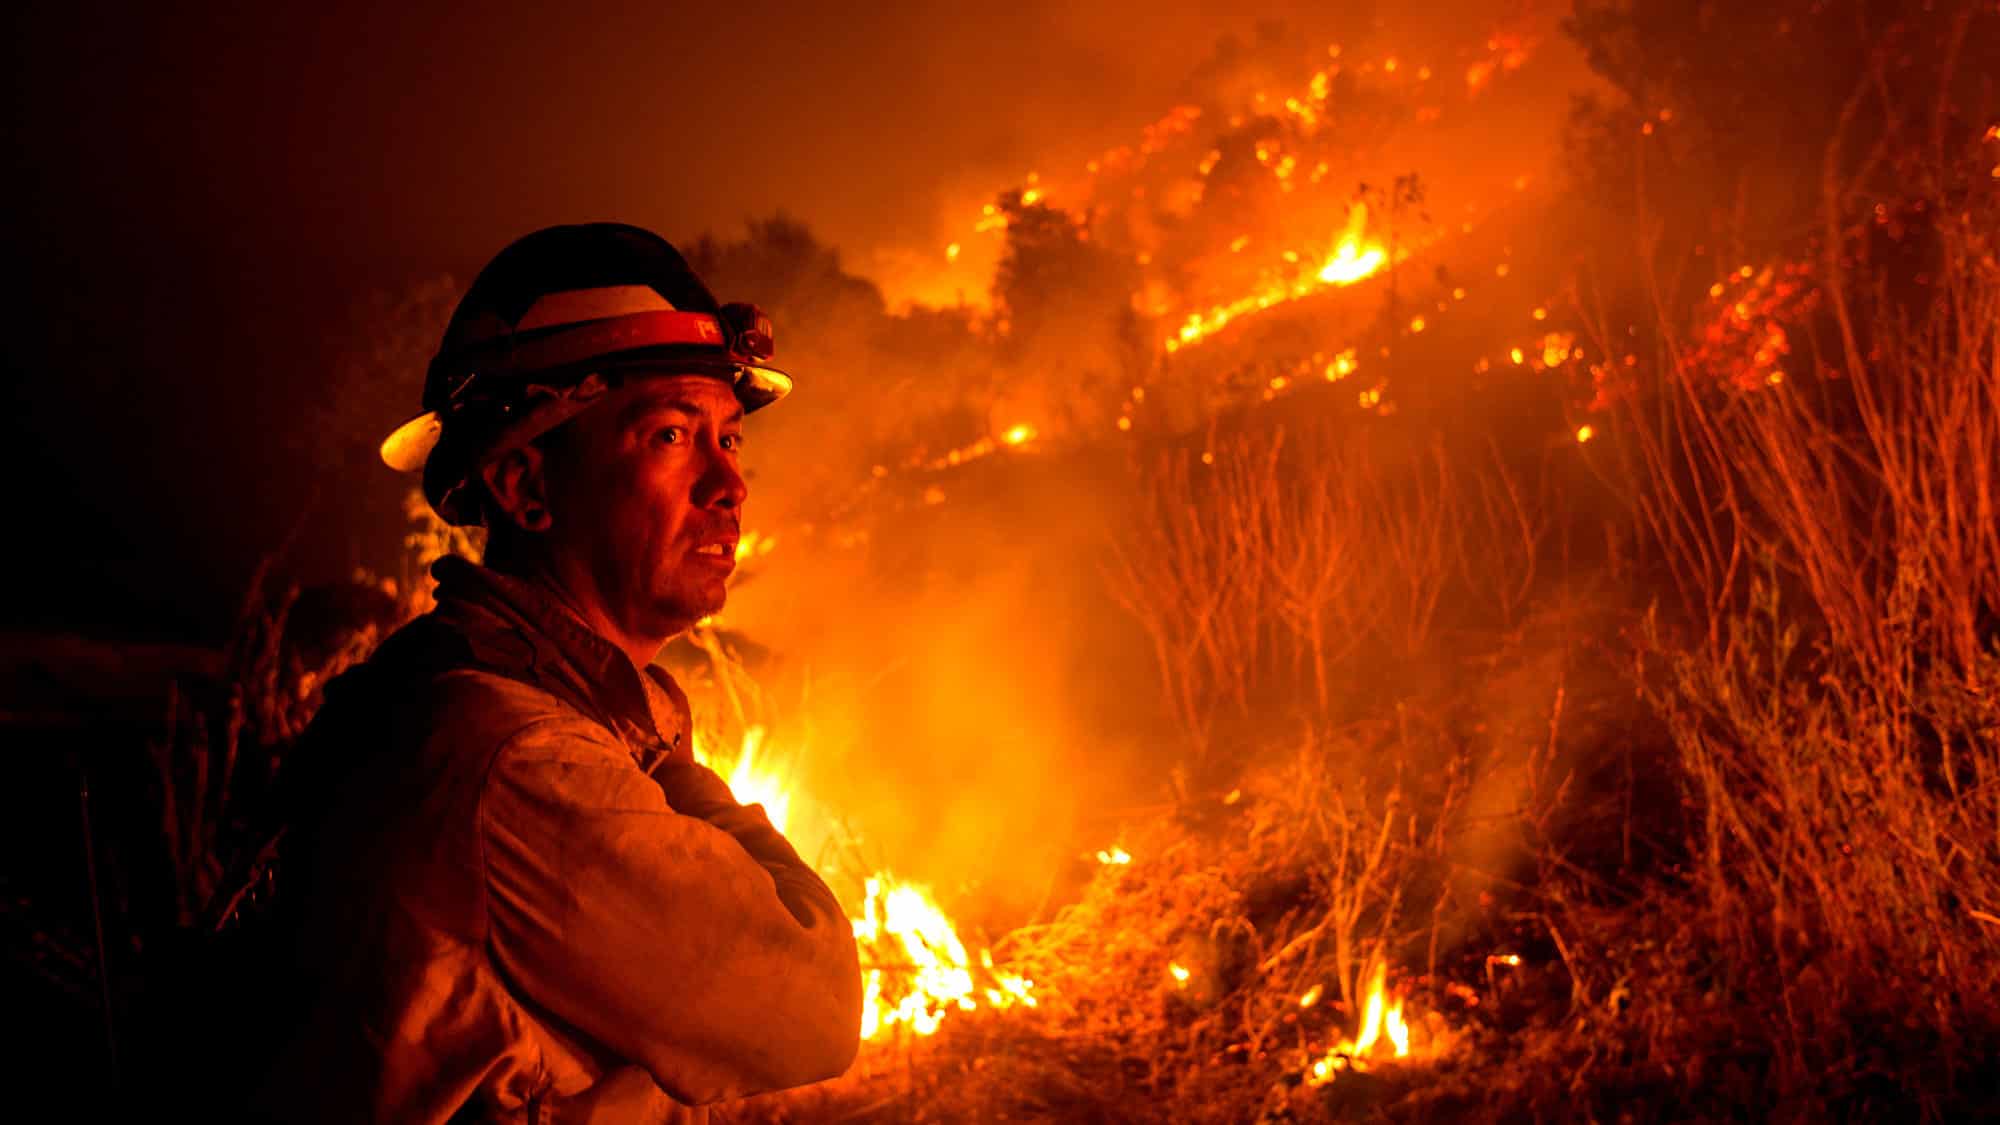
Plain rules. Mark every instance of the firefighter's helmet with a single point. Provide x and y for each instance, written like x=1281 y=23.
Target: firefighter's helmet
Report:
x=552 y=322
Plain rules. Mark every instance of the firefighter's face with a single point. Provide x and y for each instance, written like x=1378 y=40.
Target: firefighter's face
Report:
x=646 y=495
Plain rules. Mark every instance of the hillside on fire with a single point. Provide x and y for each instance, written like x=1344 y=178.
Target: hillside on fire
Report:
x=1448 y=570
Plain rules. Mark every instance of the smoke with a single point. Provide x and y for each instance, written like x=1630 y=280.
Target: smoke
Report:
x=938 y=637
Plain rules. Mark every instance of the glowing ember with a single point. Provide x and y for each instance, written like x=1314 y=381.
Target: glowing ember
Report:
x=1353 y=258
x=1381 y=1017
x=1114 y=857
x=1179 y=973
x=1557 y=347
x=914 y=966
x=1017 y=435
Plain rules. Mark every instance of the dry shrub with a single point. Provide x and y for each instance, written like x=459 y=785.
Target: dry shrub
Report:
x=1260 y=567
x=1299 y=879
x=1179 y=570
x=1508 y=517
x=1837 y=723
x=217 y=760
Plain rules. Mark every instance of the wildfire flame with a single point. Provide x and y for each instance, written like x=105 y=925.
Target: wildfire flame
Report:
x=1354 y=257
x=915 y=967
x=758 y=783
x=1381 y=1017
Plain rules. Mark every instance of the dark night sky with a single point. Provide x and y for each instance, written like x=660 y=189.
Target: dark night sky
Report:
x=201 y=194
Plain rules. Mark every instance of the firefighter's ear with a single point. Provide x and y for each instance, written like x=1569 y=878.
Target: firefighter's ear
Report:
x=517 y=488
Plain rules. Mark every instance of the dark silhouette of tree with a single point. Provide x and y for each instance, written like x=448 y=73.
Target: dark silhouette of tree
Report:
x=874 y=387
x=1065 y=300
x=1731 y=121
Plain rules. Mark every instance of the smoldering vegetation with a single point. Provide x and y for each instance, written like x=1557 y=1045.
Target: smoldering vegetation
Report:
x=1573 y=633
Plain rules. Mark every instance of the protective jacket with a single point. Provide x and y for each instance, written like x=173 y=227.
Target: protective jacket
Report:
x=516 y=897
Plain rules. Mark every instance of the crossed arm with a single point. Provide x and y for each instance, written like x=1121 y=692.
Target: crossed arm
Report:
x=658 y=916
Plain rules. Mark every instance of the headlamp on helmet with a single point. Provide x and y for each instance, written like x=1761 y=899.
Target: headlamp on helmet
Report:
x=549 y=312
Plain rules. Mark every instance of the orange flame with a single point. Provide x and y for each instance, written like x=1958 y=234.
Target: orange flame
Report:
x=1381 y=1017
x=1354 y=257
x=755 y=781
x=916 y=967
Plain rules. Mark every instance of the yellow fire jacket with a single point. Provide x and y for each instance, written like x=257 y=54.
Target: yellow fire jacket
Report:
x=517 y=897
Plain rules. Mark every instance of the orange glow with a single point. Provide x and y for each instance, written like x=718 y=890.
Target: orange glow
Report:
x=915 y=969
x=1557 y=347
x=1353 y=258
x=755 y=780
x=1381 y=1017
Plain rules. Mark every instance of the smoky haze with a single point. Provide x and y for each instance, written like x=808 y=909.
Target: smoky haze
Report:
x=202 y=198
x=241 y=227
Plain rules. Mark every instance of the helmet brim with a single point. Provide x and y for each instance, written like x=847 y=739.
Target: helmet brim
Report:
x=409 y=445
x=756 y=386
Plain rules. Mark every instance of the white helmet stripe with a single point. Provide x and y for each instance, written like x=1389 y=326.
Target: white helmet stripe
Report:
x=573 y=306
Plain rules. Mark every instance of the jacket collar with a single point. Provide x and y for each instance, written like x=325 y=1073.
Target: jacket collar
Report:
x=518 y=629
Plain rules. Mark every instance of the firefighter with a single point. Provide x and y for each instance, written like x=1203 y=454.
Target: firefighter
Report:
x=514 y=894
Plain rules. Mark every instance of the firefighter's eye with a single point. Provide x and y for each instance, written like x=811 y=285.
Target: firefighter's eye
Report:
x=670 y=435
x=732 y=442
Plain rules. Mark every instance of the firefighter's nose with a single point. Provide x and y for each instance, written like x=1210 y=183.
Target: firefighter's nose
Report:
x=722 y=485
